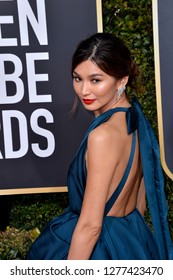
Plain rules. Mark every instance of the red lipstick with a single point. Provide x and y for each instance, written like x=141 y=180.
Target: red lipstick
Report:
x=88 y=101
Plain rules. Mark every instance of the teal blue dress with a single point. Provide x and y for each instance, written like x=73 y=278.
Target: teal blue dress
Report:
x=121 y=238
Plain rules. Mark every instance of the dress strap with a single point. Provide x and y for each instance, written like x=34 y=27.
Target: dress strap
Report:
x=118 y=190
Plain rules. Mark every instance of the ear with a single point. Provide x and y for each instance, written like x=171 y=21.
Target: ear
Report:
x=124 y=81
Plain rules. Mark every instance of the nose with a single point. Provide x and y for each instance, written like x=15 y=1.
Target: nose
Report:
x=85 y=89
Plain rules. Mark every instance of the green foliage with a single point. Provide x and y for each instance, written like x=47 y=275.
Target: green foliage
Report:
x=28 y=216
x=15 y=243
x=34 y=211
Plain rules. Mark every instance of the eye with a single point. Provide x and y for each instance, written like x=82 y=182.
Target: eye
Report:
x=76 y=79
x=96 y=81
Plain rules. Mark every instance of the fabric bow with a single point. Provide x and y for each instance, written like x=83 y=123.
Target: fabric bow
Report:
x=132 y=117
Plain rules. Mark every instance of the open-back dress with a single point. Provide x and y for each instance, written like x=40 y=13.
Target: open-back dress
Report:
x=121 y=238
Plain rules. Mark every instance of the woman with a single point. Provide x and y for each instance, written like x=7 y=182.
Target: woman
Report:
x=116 y=163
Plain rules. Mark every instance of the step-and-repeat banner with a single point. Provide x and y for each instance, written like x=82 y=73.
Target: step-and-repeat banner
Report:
x=38 y=138
x=163 y=51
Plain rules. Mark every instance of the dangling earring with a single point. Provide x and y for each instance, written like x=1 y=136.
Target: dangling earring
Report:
x=120 y=91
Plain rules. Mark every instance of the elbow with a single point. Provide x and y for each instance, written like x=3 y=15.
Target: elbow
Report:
x=95 y=231
x=91 y=230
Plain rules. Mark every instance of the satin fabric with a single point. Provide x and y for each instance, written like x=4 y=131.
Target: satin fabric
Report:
x=124 y=238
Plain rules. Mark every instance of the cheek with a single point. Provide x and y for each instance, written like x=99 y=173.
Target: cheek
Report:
x=106 y=90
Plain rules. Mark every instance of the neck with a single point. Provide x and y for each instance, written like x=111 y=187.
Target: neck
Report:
x=121 y=102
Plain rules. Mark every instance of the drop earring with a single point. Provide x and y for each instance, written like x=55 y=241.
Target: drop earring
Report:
x=120 y=91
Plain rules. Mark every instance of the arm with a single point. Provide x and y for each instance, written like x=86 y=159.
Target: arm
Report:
x=141 y=198
x=101 y=164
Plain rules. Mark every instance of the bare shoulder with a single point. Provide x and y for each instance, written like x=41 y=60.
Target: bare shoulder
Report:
x=99 y=134
x=105 y=137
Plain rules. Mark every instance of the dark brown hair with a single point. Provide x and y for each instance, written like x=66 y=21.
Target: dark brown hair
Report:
x=110 y=54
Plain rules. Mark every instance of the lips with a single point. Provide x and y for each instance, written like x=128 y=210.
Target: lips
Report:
x=88 y=101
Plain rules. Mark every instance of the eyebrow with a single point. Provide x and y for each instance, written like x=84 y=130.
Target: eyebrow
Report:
x=92 y=75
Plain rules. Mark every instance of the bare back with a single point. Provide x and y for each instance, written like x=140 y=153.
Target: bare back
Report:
x=121 y=144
